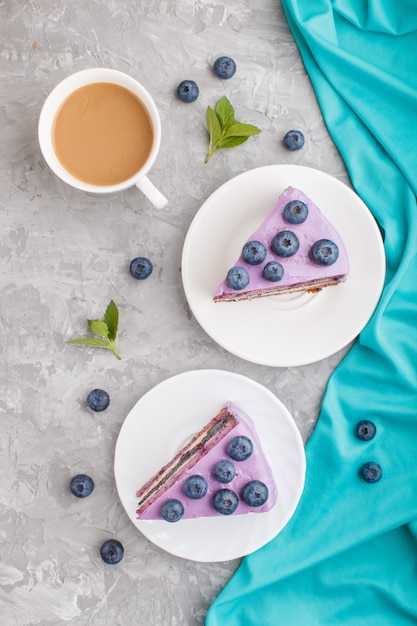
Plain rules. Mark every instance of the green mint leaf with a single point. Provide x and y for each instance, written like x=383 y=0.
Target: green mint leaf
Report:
x=214 y=129
x=225 y=112
x=90 y=341
x=99 y=328
x=231 y=142
x=106 y=328
x=111 y=318
x=237 y=129
x=224 y=130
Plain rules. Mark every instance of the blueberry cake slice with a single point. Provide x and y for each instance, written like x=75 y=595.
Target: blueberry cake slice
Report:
x=295 y=248
x=221 y=471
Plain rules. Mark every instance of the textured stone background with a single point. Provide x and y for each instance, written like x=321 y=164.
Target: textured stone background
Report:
x=64 y=254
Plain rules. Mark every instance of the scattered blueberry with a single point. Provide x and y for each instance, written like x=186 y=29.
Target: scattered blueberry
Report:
x=195 y=487
x=224 y=471
x=112 y=551
x=240 y=448
x=324 y=252
x=371 y=472
x=225 y=501
x=141 y=267
x=254 y=252
x=172 y=510
x=285 y=243
x=296 y=212
x=365 y=430
x=188 y=91
x=273 y=271
x=224 y=67
x=237 y=278
x=294 y=140
x=98 y=400
x=82 y=485
x=255 y=493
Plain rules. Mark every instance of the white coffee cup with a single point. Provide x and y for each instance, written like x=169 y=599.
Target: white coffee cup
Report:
x=46 y=126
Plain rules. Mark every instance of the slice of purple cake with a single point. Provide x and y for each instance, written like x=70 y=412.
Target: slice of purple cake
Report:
x=295 y=248
x=221 y=471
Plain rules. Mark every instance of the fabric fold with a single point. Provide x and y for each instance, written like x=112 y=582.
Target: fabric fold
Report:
x=349 y=554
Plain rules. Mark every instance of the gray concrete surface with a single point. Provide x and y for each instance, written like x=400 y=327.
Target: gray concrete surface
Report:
x=64 y=254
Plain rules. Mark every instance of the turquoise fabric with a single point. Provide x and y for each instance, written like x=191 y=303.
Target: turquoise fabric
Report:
x=349 y=554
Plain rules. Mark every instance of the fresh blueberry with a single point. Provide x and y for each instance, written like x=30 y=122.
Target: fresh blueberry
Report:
x=273 y=271
x=324 y=252
x=237 y=278
x=225 y=501
x=255 y=493
x=141 y=267
x=296 y=212
x=371 y=472
x=224 y=67
x=294 y=140
x=240 y=448
x=172 y=510
x=254 y=252
x=224 y=471
x=188 y=91
x=112 y=551
x=365 y=430
x=98 y=400
x=195 y=487
x=82 y=485
x=285 y=243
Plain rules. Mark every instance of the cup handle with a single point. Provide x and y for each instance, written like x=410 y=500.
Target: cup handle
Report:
x=151 y=192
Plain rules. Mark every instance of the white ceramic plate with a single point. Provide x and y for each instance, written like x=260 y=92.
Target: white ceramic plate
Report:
x=165 y=418
x=286 y=330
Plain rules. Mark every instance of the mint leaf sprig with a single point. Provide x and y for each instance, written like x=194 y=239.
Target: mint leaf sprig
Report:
x=224 y=130
x=105 y=328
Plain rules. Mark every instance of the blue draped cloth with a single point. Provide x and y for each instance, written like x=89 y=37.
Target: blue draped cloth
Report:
x=349 y=555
